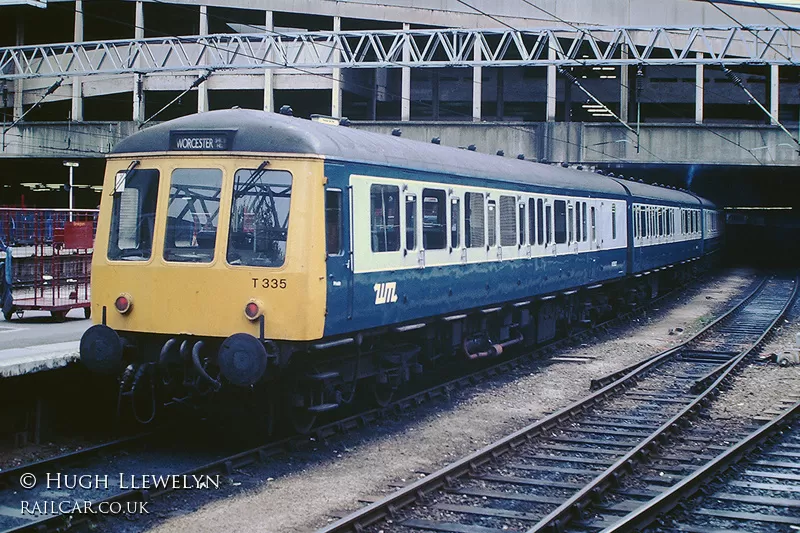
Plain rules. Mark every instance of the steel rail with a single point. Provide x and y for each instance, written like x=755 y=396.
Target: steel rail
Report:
x=555 y=521
x=7 y=474
x=614 y=376
x=230 y=463
x=446 y=476
x=668 y=500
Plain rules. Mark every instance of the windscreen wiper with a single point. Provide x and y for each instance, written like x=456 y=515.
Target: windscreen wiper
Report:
x=119 y=180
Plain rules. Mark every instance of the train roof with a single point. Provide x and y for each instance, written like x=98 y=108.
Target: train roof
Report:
x=254 y=131
x=652 y=192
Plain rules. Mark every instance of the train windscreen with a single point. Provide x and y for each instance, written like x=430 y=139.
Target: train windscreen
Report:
x=259 y=217
x=192 y=215
x=133 y=215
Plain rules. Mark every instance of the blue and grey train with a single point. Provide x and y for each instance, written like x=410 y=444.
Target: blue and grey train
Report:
x=243 y=250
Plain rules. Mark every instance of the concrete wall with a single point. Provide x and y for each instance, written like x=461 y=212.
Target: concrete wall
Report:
x=588 y=143
x=64 y=139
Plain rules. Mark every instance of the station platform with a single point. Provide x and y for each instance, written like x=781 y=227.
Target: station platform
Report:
x=37 y=343
x=31 y=359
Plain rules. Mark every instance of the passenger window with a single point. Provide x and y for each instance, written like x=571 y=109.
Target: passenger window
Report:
x=549 y=222
x=583 y=206
x=133 y=216
x=660 y=221
x=385 y=216
x=508 y=221
x=570 y=225
x=532 y=221
x=474 y=223
x=594 y=225
x=411 y=221
x=522 y=222
x=561 y=221
x=333 y=221
x=455 y=217
x=613 y=222
x=578 y=235
x=191 y=231
x=434 y=216
x=540 y=222
x=259 y=217
x=643 y=221
x=491 y=222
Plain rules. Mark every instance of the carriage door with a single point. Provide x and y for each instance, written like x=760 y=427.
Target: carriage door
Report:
x=339 y=259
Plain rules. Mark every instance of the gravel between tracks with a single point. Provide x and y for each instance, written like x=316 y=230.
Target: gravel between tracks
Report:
x=311 y=486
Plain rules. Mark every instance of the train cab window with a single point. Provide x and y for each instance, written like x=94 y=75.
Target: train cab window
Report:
x=411 y=221
x=522 y=223
x=508 y=221
x=192 y=215
x=455 y=218
x=613 y=222
x=133 y=216
x=474 y=221
x=259 y=217
x=594 y=225
x=548 y=225
x=540 y=222
x=434 y=219
x=560 y=221
x=385 y=218
x=491 y=222
x=333 y=221
x=583 y=207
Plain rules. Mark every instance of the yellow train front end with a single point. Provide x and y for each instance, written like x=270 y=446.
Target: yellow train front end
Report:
x=205 y=265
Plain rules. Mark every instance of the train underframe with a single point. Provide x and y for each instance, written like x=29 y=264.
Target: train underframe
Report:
x=267 y=381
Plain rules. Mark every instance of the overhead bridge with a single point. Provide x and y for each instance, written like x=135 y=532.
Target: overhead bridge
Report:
x=607 y=46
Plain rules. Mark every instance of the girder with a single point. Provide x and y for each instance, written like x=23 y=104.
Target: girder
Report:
x=761 y=45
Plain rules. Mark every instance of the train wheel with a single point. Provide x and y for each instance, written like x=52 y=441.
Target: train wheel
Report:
x=60 y=316
x=300 y=399
x=382 y=393
x=302 y=420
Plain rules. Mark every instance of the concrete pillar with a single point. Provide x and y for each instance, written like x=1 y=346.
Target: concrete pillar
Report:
x=551 y=84
x=774 y=92
x=202 y=90
x=477 y=85
x=624 y=86
x=699 y=90
x=405 y=93
x=76 y=112
x=336 y=90
x=269 y=97
x=138 y=79
x=18 y=84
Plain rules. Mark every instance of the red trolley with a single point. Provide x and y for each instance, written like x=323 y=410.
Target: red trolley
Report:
x=46 y=260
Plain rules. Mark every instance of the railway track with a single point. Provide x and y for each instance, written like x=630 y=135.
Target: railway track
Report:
x=147 y=453
x=753 y=486
x=547 y=476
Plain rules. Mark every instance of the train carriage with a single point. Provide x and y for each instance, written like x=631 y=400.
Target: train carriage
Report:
x=242 y=250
